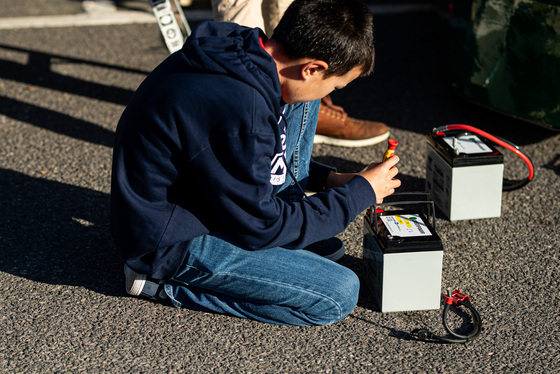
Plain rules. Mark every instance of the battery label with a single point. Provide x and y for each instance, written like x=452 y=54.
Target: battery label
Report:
x=405 y=225
x=467 y=144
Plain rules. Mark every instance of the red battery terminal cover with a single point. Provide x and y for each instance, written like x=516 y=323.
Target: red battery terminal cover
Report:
x=377 y=210
x=390 y=152
x=456 y=297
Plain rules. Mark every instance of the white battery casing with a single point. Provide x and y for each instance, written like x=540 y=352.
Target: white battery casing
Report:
x=465 y=192
x=402 y=281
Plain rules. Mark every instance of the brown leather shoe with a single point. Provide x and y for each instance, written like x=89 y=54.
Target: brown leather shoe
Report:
x=336 y=128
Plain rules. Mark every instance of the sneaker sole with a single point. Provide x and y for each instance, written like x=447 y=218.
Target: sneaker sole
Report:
x=134 y=282
x=323 y=139
x=336 y=255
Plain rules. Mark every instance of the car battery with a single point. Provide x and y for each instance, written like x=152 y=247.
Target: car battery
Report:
x=464 y=176
x=403 y=258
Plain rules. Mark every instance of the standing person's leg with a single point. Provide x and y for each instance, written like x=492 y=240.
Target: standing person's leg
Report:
x=244 y=12
x=281 y=286
x=272 y=11
x=264 y=14
x=336 y=127
x=301 y=122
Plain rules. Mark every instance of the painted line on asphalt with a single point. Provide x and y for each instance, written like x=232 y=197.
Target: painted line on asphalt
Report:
x=74 y=20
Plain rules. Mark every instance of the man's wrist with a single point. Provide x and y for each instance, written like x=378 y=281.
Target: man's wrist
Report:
x=338 y=179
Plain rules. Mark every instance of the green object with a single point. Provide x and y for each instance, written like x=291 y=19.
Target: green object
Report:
x=505 y=55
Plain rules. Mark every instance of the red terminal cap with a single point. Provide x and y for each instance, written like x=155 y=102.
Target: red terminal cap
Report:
x=392 y=144
x=455 y=297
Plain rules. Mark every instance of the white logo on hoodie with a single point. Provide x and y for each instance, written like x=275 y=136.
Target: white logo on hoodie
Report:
x=278 y=166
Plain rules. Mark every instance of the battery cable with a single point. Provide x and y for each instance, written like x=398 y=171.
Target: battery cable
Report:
x=508 y=185
x=454 y=299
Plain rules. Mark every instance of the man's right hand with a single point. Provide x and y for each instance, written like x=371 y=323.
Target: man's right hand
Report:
x=381 y=177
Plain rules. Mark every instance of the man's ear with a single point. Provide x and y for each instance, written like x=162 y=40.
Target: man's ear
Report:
x=313 y=68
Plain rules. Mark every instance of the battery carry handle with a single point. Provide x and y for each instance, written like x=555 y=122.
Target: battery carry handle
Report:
x=431 y=207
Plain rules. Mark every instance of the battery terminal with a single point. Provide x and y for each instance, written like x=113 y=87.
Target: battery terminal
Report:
x=456 y=297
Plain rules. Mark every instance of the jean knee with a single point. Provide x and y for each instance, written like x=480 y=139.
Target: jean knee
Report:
x=340 y=301
x=351 y=291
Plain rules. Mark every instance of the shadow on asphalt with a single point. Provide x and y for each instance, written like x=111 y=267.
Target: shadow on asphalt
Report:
x=554 y=165
x=38 y=72
x=56 y=122
x=395 y=333
x=56 y=233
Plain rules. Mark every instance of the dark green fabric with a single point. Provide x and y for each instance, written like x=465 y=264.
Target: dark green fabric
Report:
x=505 y=55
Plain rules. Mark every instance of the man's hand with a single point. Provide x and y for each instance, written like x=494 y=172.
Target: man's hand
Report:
x=381 y=176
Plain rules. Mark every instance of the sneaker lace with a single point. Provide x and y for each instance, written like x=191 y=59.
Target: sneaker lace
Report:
x=328 y=107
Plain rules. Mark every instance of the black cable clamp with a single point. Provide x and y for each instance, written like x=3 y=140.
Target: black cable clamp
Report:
x=454 y=299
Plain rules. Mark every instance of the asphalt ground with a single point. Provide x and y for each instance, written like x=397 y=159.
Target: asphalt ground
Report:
x=63 y=306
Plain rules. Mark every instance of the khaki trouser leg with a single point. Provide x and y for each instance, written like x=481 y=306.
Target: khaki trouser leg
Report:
x=244 y=12
x=264 y=14
x=272 y=12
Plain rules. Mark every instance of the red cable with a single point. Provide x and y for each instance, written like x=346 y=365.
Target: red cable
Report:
x=497 y=141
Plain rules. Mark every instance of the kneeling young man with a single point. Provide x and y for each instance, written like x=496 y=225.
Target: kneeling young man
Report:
x=211 y=159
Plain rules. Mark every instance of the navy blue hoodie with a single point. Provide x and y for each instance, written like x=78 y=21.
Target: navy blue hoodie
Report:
x=197 y=152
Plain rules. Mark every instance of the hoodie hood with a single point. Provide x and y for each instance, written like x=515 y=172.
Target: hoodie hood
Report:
x=228 y=49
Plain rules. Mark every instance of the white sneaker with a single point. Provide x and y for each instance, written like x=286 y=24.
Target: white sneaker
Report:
x=142 y=286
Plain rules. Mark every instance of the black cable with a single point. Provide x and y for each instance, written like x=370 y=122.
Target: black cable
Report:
x=455 y=299
x=508 y=184
x=476 y=322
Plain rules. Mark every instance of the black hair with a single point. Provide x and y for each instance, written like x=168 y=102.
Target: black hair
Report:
x=339 y=32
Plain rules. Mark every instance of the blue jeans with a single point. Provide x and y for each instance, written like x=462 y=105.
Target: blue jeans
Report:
x=300 y=131
x=277 y=285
